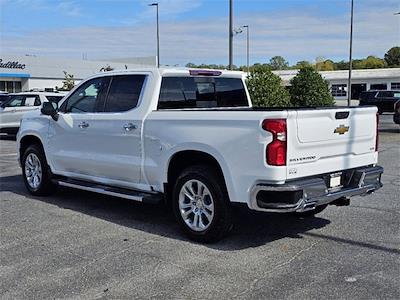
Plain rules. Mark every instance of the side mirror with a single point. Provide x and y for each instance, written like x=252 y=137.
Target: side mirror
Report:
x=50 y=109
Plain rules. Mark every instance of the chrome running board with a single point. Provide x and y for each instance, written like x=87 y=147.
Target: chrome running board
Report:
x=139 y=196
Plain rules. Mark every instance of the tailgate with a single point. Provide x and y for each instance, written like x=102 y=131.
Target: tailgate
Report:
x=328 y=140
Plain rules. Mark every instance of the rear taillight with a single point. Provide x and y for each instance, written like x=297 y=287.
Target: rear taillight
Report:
x=377 y=132
x=276 y=150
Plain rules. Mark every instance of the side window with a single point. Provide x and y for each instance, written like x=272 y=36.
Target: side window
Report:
x=84 y=99
x=16 y=101
x=385 y=94
x=32 y=100
x=37 y=101
x=124 y=93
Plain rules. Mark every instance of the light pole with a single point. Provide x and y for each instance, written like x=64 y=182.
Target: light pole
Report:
x=247 y=47
x=230 y=34
x=351 y=55
x=240 y=30
x=158 y=36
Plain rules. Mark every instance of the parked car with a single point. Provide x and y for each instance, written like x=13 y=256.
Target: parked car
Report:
x=12 y=110
x=191 y=138
x=396 y=116
x=3 y=97
x=384 y=100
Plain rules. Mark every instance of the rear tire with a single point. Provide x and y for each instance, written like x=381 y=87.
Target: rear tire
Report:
x=201 y=204
x=311 y=213
x=36 y=172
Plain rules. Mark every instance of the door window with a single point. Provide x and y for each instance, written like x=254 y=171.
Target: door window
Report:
x=84 y=99
x=15 y=101
x=32 y=101
x=124 y=93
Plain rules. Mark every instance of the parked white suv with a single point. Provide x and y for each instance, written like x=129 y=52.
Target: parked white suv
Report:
x=12 y=110
x=191 y=138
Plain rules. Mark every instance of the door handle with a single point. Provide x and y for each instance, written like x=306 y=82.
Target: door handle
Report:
x=83 y=125
x=129 y=127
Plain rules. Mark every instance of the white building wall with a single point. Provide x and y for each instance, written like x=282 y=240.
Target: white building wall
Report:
x=41 y=84
x=45 y=72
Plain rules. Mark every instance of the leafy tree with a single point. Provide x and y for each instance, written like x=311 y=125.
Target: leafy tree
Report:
x=190 y=65
x=310 y=89
x=302 y=64
x=259 y=67
x=326 y=65
x=278 y=63
x=68 y=82
x=392 y=57
x=341 y=65
x=266 y=89
x=371 y=62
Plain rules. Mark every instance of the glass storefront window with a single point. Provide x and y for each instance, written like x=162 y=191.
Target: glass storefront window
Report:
x=10 y=86
x=17 y=86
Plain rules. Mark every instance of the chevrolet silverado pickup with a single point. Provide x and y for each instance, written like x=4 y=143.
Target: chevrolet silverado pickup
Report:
x=191 y=139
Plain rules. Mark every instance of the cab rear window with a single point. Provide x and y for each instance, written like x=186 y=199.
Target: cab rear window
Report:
x=201 y=92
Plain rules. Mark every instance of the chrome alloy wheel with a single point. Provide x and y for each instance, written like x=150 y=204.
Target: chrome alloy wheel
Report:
x=33 y=170
x=196 y=205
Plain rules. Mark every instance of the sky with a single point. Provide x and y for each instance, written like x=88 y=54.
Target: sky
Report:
x=197 y=30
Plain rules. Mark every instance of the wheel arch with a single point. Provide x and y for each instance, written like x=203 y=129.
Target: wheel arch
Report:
x=182 y=159
x=26 y=141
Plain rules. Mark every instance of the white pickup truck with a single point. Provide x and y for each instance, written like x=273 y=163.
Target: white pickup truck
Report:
x=192 y=139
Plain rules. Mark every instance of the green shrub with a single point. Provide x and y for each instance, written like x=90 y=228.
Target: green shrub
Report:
x=266 y=89
x=308 y=88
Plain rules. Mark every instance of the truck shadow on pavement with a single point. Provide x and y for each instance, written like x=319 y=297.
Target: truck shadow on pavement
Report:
x=252 y=229
x=390 y=130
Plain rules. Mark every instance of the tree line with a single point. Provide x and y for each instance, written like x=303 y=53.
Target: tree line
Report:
x=307 y=89
x=390 y=60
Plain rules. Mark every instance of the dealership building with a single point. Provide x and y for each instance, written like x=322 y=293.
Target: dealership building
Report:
x=24 y=73
x=362 y=80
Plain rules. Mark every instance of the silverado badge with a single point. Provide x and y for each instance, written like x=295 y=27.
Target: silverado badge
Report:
x=341 y=129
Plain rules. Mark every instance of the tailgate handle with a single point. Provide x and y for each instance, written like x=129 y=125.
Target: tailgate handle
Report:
x=342 y=115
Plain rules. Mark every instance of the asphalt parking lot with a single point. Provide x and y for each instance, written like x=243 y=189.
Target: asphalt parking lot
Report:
x=81 y=245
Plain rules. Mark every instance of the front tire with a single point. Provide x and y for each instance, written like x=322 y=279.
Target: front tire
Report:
x=201 y=204
x=36 y=172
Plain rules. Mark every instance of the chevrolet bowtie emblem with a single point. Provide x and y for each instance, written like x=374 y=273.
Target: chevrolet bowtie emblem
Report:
x=341 y=129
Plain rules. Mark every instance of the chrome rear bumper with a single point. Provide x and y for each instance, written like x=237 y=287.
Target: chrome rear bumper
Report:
x=305 y=194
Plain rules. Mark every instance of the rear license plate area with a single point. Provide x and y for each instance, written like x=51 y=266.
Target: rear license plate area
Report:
x=335 y=180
